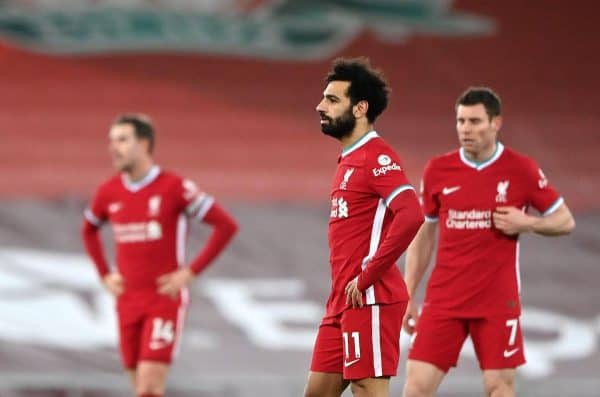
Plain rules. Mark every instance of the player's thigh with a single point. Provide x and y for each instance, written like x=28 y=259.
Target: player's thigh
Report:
x=371 y=339
x=328 y=350
x=422 y=379
x=161 y=336
x=371 y=387
x=499 y=382
x=498 y=342
x=151 y=377
x=131 y=328
x=132 y=375
x=438 y=339
x=323 y=384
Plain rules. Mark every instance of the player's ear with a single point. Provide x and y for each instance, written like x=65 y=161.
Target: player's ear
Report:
x=147 y=145
x=360 y=109
x=497 y=122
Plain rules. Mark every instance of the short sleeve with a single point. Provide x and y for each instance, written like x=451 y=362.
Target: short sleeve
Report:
x=429 y=202
x=541 y=195
x=194 y=202
x=385 y=175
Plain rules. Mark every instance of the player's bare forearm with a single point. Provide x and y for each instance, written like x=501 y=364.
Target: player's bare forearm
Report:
x=558 y=223
x=418 y=255
x=513 y=221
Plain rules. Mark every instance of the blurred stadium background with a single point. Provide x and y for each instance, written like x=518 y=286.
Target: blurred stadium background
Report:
x=232 y=86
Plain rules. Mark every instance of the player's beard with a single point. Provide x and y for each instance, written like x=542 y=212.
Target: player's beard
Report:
x=340 y=127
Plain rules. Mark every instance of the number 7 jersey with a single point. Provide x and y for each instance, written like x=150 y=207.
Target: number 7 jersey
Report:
x=477 y=266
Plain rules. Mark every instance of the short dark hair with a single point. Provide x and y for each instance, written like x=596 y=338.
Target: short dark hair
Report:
x=481 y=95
x=366 y=84
x=142 y=127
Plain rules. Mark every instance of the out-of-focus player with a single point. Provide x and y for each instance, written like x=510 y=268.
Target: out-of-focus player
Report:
x=148 y=209
x=374 y=215
x=477 y=197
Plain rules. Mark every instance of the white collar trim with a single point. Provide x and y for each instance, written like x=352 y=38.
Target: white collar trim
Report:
x=360 y=143
x=483 y=164
x=145 y=181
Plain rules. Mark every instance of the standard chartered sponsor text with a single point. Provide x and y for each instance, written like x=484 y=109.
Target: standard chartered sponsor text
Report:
x=470 y=219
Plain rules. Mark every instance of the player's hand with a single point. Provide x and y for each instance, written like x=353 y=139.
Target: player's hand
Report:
x=409 y=322
x=511 y=220
x=171 y=283
x=353 y=294
x=113 y=282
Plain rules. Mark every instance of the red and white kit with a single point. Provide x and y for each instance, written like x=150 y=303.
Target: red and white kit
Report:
x=149 y=220
x=370 y=200
x=475 y=286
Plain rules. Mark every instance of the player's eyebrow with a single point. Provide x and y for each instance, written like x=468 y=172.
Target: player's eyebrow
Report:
x=332 y=97
x=471 y=119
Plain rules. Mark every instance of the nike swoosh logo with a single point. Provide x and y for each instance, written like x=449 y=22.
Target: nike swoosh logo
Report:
x=509 y=353
x=448 y=190
x=349 y=363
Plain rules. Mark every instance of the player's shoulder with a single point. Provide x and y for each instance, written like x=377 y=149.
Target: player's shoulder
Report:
x=443 y=160
x=366 y=150
x=378 y=149
x=379 y=143
x=170 y=176
x=518 y=159
x=110 y=184
x=519 y=163
x=170 y=181
x=176 y=183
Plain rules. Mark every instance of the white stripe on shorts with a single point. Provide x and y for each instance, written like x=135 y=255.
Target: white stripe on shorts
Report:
x=181 y=314
x=376 y=340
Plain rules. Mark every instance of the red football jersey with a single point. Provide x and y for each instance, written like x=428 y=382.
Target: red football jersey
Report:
x=477 y=266
x=149 y=223
x=368 y=178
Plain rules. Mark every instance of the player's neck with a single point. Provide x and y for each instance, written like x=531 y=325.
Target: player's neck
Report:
x=356 y=134
x=482 y=155
x=138 y=172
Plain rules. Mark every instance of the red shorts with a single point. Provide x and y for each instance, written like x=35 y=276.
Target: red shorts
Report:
x=360 y=343
x=150 y=328
x=438 y=339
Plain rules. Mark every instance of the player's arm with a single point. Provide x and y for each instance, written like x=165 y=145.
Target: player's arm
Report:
x=418 y=257
x=556 y=218
x=90 y=232
x=407 y=220
x=511 y=221
x=224 y=228
x=401 y=199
